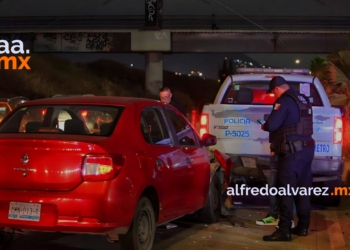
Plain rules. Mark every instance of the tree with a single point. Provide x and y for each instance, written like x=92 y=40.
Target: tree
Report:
x=318 y=68
x=338 y=78
x=334 y=73
x=337 y=86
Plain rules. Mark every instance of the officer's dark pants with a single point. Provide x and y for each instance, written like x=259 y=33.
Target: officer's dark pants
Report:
x=294 y=170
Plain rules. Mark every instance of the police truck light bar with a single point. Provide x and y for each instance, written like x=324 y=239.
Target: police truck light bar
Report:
x=272 y=71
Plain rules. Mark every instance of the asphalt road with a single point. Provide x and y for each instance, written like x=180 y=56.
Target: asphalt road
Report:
x=329 y=229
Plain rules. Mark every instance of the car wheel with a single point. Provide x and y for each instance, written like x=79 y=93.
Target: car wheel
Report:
x=211 y=212
x=142 y=231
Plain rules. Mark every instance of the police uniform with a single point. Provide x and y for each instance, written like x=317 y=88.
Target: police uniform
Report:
x=290 y=126
x=272 y=180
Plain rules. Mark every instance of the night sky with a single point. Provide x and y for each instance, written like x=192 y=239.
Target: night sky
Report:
x=207 y=63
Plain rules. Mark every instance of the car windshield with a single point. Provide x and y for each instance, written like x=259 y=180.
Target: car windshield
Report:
x=67 y=119
x=239 y=93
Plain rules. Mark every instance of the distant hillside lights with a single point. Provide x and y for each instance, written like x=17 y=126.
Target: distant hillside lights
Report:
x=200 y=74
x=10 y=55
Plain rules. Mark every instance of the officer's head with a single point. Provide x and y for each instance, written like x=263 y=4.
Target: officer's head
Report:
x=278 y=85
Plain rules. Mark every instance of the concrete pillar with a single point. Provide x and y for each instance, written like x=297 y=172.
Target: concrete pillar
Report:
x=154 y=72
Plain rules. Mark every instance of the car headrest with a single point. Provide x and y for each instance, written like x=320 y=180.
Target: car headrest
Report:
x=32 y=127
x=105 y=128
x=74 y=126
x=244 y=96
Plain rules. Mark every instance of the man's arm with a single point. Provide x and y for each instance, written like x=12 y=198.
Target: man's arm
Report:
x=278 y=115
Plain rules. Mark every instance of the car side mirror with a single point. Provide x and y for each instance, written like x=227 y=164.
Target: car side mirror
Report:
x=208 y=140
x=186 y=141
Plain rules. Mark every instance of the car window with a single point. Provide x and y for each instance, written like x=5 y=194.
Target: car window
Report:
x=254 y=92
x=68 y=119
x=184 y=133
x=153 y=127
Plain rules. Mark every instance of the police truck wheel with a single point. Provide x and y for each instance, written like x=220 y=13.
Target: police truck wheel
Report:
x=331 y=200
x=142 y=231
x=327 y=200
x=211 y=212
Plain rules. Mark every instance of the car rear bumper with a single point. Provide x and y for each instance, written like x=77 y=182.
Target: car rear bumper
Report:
x=89 y=208
x=71 y=225
x=323 y=168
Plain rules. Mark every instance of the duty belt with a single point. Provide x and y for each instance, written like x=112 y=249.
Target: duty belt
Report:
x=295 y=146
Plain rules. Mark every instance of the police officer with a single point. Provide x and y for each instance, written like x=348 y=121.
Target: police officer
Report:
x=291 y=128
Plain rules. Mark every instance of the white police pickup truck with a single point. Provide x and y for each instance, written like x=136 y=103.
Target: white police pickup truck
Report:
x=242 y=100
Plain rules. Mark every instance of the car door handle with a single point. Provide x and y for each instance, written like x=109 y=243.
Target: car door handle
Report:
x=188 y=160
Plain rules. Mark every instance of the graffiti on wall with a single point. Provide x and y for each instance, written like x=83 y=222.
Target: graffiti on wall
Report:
x=73 y=37
x=73 y=42
x=47 y=42
x=99 y=41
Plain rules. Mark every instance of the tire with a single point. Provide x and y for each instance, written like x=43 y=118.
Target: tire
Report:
x=5 y=239
x=331 y=200
x=142 y=231
x=211 y=212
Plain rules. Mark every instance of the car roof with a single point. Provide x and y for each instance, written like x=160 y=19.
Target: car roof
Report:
x=92 y=100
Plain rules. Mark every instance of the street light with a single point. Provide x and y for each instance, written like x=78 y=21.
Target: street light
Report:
x=297 y=61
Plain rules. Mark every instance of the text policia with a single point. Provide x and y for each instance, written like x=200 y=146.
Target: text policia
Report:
x=241 y=190
x=11 y=55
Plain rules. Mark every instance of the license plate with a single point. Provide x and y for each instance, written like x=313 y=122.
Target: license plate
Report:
x=248 y=162
x=24 y=211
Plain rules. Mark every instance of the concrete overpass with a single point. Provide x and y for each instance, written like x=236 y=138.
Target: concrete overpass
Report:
x=185 y=26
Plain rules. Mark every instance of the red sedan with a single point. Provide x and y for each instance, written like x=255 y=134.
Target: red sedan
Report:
x=142 y=165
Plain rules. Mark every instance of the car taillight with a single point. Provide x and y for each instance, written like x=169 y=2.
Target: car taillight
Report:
x=101 y=167
x=204 y=124
x=338 y=130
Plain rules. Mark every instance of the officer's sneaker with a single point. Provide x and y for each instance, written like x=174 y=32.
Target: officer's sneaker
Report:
x=268 y=221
